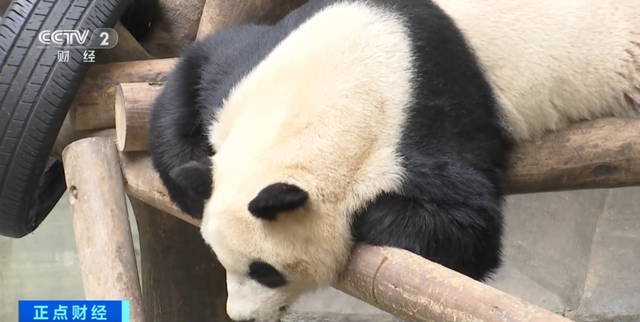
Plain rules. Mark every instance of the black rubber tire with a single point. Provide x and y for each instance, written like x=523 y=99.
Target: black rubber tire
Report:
x=35 y=94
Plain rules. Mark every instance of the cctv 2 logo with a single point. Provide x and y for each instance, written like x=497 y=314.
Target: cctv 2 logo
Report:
x=101 y=38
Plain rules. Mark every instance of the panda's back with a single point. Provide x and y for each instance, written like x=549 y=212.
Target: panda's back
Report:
x=553 y=62
x=360 y=94
x=377 y=108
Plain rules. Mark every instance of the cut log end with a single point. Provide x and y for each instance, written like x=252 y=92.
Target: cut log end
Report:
x=132 y=104
x=121 y=120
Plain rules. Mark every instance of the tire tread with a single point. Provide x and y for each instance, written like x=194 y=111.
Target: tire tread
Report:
x=35 y=94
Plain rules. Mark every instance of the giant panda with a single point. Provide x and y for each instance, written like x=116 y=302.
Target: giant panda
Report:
x=387 y=122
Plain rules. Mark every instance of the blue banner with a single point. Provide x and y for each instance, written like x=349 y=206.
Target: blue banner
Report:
x=89 y=311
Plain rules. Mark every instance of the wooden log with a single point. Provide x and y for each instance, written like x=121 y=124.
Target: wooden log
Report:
x=181 y=278
x=599 y=154
x=93 y=106
x=219 y=13
x=406 y=286
x=297 y=316
x=127 y=49
x=101 y=223
x=415 y=289
x=143 y=183
x=131 y=107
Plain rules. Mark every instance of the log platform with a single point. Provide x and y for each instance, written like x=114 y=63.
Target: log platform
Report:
x=103 y=143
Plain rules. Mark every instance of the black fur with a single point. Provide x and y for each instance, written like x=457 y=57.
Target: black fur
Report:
x=187 y=103
x=194 y=180
x=194 y=90
x=455 y=154
x=176 y=128
x=454 y=150
x=276 y=198
x=266 y=275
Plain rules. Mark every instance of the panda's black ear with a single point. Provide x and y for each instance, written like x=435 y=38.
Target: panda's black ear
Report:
x=194 y=181
x=275 y=198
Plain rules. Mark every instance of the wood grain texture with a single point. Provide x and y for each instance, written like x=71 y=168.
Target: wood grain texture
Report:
x=68 y=134
x=133 y=101
x=93 y=106
x=599 y=154
x=127 y=49
x=101 y=223
x=415 y=289
x=219 y=13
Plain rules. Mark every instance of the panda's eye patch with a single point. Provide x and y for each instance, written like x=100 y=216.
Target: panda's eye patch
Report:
x=266 y=275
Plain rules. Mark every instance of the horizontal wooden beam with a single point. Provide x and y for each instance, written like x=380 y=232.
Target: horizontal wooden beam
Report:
x=604 y=153
x=68 y=135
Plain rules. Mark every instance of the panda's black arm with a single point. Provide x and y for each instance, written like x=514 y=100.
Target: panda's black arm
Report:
x=187 y=105
x=448 y=214
x=176 y=136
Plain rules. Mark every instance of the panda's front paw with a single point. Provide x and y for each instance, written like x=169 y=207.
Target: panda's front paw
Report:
x=191 y=184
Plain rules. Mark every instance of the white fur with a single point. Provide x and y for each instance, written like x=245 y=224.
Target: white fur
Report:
x=345 y=75
x=348 y=82
x=552 y=62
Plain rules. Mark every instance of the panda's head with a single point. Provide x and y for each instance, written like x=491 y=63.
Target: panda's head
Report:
x=274 y=244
